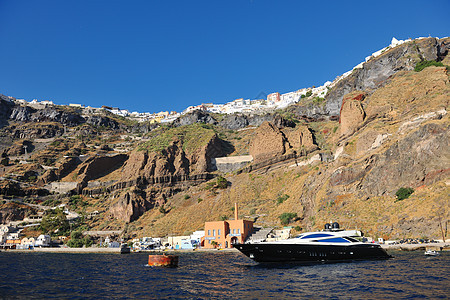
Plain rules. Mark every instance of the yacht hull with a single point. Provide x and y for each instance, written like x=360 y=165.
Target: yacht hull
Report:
x=277 y=252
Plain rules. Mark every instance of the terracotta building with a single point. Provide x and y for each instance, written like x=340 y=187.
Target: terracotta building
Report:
x=226 y=233
x=275 y=97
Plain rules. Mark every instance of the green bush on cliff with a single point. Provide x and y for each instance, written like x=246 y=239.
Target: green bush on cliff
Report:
x=404 y=193
x=427 y=63
x=286 y=218
x=282 y=198
x=222 y=183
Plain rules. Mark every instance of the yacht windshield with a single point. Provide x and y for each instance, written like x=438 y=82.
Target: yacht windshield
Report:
x=316 y=235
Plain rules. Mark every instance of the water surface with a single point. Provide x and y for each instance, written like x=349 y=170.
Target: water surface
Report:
x=219 y=275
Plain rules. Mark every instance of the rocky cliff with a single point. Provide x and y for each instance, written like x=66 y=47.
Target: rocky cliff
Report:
x=376 y=73
x=381 y=128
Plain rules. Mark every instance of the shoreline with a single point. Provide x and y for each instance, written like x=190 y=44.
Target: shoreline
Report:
x=110 y=250
x=398 y=247
x=416 y=247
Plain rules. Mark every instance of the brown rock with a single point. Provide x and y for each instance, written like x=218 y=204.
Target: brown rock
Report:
x=352 y=113
x=365 y=141
x=300 y=136
x=64 y=167
x=18 y=148
x=268 y=142
x=134 y=166
x=98 y=166
x=130 y=206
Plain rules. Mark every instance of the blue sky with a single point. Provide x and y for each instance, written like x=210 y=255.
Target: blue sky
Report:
x=151 y=56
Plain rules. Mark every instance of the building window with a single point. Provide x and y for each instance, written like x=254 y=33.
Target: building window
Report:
x=218 y=232
x=214 y=232
x=209 y=232
x=239 y=231
x=234 y=230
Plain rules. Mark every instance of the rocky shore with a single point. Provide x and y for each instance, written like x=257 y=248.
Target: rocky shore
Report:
x=401 y=247
x=415 y=247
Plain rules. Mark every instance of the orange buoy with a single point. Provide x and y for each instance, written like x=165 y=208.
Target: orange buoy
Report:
x=163 y=261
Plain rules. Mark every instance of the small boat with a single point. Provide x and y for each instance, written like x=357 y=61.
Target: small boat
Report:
x=331 y=244
x=431 y=253
x=124 y=249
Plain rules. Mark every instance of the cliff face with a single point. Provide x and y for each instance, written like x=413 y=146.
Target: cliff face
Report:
x=376 y=72
x=382 y=128
x=172 y=161
x=233 y=121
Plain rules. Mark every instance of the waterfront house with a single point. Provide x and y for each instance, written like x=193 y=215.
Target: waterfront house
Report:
x=4 y=231
x=180 y=242
x=224 y=234
x=196 y=237
x=27 y=243
x=43 y=240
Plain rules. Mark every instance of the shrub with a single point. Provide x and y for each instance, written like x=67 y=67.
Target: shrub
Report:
x=282 y=198
x=404 y=193
x=199 y=200
x=286 y=218
x=75 y=243
x=162 y=210
x=427 y=63
x=76 y=235
x=54 y=219
x=186 y=197
x=222 y=183
x=5 y=161
x=77 y=240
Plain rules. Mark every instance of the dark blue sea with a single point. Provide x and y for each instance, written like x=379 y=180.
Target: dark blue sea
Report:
x=219 y=275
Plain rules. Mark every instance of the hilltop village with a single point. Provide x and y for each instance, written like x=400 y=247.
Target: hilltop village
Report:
x=368 y=150
x=272 y=101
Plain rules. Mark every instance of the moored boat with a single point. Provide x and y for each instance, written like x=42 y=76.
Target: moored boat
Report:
x=431 y=253
x=332 y=244
x=124 y=249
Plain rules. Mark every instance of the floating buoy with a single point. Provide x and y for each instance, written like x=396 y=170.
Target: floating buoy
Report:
x=170 y=261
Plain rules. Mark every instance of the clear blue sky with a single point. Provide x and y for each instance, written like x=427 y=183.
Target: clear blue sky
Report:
x=150 y=56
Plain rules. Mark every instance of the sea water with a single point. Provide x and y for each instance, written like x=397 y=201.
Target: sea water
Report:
x=218 y=275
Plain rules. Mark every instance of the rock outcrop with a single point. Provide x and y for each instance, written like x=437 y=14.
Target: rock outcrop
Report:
x=14 y=212
x=352 y=113
x=197 y=116
x=233 y=121
x=270 y=141
x=21 y=113
x=97 y=120
x=36 y=130
x=299 y=137
x=62 y=169
x=6 y=107
x=51 y=114
x=98 y=166
x=19 y=147
x=129 y=205
x=172 y=161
